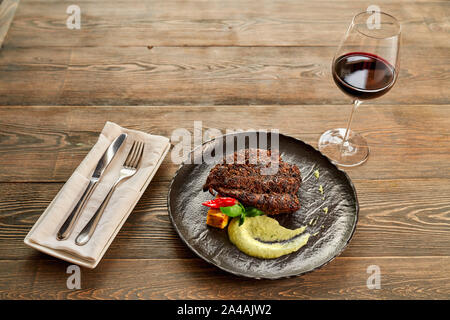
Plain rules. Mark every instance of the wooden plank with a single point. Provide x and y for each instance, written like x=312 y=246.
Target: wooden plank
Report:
x=343 y=278
x=398 y=218
x=45 y=144
x=202 y=75
x=33 y=75
x=7 y=11
x=280 y=54
x=217 y=23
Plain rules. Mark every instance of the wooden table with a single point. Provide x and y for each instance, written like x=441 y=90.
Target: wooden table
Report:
x=161 y=65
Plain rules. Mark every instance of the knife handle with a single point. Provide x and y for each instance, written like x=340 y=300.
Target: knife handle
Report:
x=88 y=230
x=67 y=227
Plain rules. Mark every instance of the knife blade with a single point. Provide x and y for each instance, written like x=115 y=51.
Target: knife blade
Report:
x=68 y=225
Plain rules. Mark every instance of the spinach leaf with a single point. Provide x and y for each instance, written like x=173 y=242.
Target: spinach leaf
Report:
x=253 y=212
x=238 y=210
x=242 y=219
x=233 y=211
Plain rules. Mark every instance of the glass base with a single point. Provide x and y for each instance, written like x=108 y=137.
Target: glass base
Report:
x=353 y=152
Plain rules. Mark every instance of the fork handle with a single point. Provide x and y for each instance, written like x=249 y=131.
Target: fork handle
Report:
x=85 y=235
x=67 y=227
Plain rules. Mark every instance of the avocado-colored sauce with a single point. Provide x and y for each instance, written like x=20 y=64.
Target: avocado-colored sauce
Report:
x=263 y=237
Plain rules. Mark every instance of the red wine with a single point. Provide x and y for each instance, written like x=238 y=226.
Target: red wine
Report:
x=363 y=75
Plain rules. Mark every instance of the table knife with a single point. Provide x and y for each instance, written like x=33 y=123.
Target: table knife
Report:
x=67 y=227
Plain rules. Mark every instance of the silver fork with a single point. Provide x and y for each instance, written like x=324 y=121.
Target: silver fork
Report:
x=128 y=169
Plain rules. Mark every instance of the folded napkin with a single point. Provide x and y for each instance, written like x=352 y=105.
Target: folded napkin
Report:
x=43 y=234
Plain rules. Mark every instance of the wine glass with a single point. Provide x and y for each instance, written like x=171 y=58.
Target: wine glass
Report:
x=364 y=67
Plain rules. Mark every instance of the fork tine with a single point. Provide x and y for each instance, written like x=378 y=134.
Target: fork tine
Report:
x=130 y=154
x=135 y=153
x=136 y=159
x=139 y=155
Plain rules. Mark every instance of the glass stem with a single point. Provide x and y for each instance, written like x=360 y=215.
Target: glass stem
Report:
x=345 y=144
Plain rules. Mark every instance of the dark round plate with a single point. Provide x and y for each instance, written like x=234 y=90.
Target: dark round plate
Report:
x=330 y=232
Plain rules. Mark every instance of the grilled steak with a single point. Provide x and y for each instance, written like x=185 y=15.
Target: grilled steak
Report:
x=273 y=194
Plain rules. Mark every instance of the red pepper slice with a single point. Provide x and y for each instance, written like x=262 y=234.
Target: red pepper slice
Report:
x=220 y=202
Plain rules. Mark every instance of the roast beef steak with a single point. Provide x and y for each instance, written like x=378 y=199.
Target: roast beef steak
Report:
x=244 y=181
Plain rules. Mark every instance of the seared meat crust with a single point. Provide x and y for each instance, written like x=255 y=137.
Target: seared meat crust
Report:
x=273 y=194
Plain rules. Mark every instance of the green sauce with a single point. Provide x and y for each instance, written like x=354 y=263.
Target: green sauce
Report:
x=263 y=237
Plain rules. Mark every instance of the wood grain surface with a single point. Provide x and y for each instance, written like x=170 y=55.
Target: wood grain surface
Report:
x=194 y=279
x=215 y=52
x=159 y=65
x=411 y=141
x=217 y=23
x=201 y=76
x=403 y=189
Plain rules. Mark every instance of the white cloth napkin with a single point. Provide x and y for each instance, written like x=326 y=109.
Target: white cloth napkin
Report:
x=120 y=205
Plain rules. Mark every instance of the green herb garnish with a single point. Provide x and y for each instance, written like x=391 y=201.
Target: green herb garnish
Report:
x=232 y=211
x=253 y=212
x=241 y=220
x=238 y=210
x=316 y=174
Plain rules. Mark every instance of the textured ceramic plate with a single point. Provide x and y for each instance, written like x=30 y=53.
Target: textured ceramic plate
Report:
x=330 y=232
